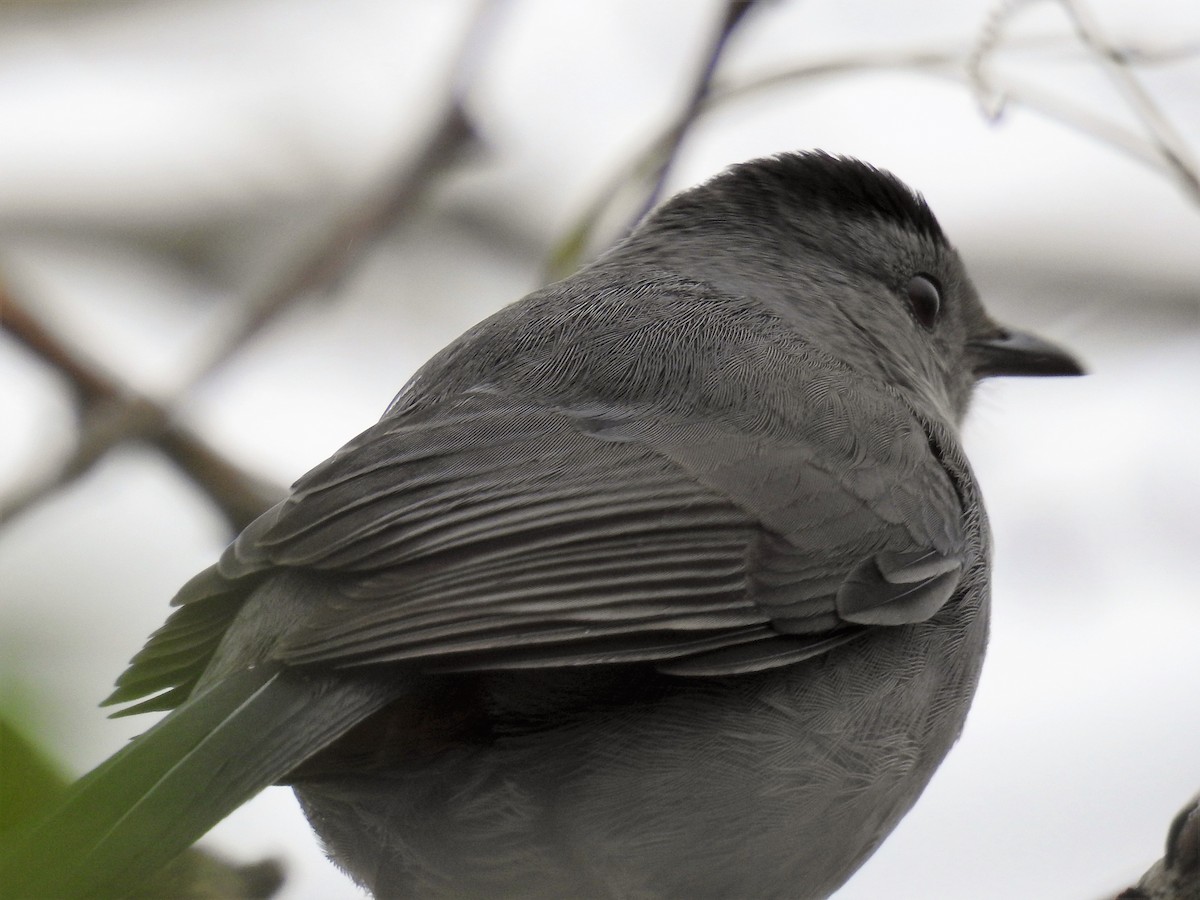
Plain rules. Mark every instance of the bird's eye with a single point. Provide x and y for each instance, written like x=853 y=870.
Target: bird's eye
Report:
x=924 y=299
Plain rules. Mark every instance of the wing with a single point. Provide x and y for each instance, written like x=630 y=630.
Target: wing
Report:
x=487 y=532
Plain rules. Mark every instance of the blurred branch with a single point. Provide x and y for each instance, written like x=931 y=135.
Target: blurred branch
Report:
x=401 y=190
x=1172 y=149
x=1072 y=115
x=569 y=253
x=735 y=13
x=112 y=412
x=991 y=35
x=347 y=240
x=948 y=62
x=652 y=167
x=1160 y=146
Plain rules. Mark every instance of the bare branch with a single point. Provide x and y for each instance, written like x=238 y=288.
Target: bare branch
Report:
x=113 y=412
x=1072 y=115
x=398 y=193
x=88 y=384
x=945 y=62
x=649 y=169
x=569 y=253
x=345 y=242
x=987 y=42
x=735 y=12
x=1161 y=147
x=1171 y=147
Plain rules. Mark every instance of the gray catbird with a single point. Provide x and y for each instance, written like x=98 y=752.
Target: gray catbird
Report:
x=668 y=580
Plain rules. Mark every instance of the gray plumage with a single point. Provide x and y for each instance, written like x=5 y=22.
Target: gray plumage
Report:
x=669 y=580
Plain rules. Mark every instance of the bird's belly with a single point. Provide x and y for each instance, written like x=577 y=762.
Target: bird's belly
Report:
x=776 y=784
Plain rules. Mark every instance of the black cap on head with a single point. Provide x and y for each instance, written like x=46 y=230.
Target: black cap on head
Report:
x=840 y=185
x=848 y=187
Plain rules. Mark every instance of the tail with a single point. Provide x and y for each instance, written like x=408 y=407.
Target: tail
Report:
x=135 y=812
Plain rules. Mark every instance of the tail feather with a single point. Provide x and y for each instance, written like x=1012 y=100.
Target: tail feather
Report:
x=135 y=812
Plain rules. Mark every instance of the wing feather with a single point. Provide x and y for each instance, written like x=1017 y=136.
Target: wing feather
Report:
x=481 y=531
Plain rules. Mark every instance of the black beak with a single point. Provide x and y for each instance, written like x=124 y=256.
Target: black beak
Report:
x=1019 y=353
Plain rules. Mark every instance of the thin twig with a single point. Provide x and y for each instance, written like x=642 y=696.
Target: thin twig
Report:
x=398 y=192
x=950 y=63
x=991 y=35
x=113 y=412
x=1144 y=57
x=343 y=244
x=651 y=168
x=1161 y=147
x=570 y=252
x=947 y=64
x=1171 y=147
x=735 y=13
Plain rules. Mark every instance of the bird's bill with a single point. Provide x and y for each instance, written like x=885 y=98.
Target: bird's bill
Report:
x=1009 y=352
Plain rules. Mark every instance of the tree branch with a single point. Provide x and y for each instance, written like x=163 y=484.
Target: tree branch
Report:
x=949 y=62
x=113 y=412
x=735 y=13
x=400 y=191
x=1171 y=148
x=1161 y=146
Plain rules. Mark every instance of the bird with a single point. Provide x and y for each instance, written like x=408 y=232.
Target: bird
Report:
x=670 y=579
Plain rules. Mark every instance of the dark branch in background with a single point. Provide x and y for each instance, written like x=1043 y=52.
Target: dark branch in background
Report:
x=398 y=193
x=575 y=248
x=647 y=175
x=735 y=12
x=88 y=384
x=349 y=239
x=112 y=412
